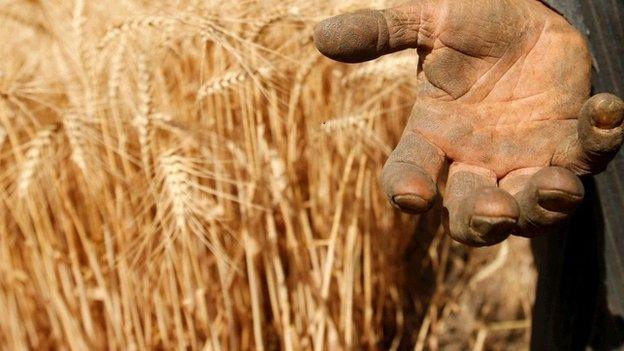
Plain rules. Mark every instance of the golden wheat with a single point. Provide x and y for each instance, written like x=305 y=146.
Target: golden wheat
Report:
x=194 y=175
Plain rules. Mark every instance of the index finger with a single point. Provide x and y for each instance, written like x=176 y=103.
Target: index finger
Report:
x=368 y=34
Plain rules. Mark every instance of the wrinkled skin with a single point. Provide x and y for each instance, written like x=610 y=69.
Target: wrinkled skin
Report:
x=503 y=96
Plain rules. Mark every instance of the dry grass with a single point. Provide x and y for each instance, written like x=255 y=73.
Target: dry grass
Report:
x=193 y=175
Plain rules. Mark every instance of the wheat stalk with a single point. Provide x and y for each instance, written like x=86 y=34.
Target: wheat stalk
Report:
x=3 y=136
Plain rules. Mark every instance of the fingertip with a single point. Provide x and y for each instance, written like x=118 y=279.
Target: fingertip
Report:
x=495 y=215
x=408 y=187
x=600 y=135
x=486 y=217
x=606 y=111
x=547 y=200
x=491 y=230
x=353 y=37
x=558 y=189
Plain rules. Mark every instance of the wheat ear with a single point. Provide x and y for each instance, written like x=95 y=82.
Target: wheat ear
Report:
x=229 y=80
x=176 y=186
x=74 y=130
x=142 y=120
x=34 y=155
x=135 y=25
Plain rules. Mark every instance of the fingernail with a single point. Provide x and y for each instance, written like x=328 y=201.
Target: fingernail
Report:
x=494 y=202
x=610 y=114
x=558 y=201
x=411 y=203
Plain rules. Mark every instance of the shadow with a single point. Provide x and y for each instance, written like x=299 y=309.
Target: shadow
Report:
x=419 y=282
x=571 y=309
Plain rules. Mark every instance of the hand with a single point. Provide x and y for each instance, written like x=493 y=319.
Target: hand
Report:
x=503 y=96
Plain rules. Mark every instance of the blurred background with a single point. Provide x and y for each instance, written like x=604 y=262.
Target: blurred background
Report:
x=194 y=175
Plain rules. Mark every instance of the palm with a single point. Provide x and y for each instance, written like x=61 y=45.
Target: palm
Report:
x=484 y=96
x=503 y=90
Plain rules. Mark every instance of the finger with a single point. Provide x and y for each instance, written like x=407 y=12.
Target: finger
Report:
x=479 y=213
x=600 y=136
x=409 y=176
x=367 y=34
x=547 y=198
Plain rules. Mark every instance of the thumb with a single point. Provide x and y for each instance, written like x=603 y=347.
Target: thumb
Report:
x=368 y=34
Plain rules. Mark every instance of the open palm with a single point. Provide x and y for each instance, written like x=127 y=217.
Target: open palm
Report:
x=503 y=88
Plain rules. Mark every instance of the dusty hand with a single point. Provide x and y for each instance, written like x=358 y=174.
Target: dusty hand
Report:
x=503 y=95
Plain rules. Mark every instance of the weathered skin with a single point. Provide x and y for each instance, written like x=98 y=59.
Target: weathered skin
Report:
x=503 y=95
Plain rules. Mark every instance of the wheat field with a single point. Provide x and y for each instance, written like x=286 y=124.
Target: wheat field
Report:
x=193 y=175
